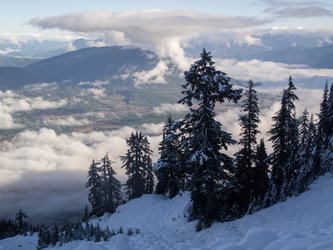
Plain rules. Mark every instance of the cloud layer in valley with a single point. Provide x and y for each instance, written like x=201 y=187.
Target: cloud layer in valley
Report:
x=11 y=103
x=44 y=173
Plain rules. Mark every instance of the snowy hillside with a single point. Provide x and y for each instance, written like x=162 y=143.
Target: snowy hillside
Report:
x=303 y=222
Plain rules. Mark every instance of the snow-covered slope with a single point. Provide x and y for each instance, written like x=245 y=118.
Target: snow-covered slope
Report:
x=303 y=222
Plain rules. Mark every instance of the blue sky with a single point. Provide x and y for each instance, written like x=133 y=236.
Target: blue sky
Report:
x=15 y=14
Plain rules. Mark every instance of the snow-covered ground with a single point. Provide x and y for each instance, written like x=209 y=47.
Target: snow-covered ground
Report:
x=303 y=222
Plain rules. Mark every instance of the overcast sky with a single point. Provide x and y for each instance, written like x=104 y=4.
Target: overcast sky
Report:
x=15 y=14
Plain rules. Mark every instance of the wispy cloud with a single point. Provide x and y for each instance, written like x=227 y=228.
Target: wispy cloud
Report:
x=67 y=122
x=303 y=12
x=260 y=71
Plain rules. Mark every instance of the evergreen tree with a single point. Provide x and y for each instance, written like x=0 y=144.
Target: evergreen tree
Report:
x=202 y=138
x=321 y=141
x=285 y=148
x=167 y=169
x=305 y=174
x=110 y=186
x=86 y=214
x=94 y=185
x=260 y=179
x=55 y=236
x=138 y=165
x=22 y=227
x=245 y=157
x=327 y=161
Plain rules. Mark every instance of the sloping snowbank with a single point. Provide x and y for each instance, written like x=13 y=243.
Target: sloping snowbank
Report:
x=303 y=222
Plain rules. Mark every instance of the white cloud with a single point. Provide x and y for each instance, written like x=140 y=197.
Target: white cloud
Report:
x=155 y=75
x=162 y=30
x=69 y=121
x=97 y=83
x=42 y=168
x=12 y=102
x=98 y=93
x=38 y=86
x=167 y=108
x=260 y=71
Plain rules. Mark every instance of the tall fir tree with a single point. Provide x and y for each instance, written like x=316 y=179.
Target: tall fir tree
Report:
x=138 y=165
x=168 y=171
x=307 y=133
x=94 y=185
x=202 y=138
x=259 y=176
x=327 y=161
x=21 y=225
x=321 y=140
x=285 y=148
x=110 y=186
x=246 y=156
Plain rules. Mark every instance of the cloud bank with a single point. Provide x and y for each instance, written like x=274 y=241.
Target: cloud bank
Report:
x=163 y=30
x=44 y=173
x=11 y=102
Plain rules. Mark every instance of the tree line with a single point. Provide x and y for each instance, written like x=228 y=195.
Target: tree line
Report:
x=193 y=151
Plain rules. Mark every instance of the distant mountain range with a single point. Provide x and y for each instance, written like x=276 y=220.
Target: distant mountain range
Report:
x=321 y=57
x=103 y=63
x=88 y=64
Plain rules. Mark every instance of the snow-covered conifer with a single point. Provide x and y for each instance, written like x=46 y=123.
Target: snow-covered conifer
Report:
x=168 y=171
x=285 y=148
x=138 y=165
x=94 y=185
x=245 y=157
x=259 y=176
x=203 y=140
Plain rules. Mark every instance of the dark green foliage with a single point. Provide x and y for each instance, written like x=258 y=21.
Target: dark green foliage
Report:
x=138 y=165
x=307 y=133
x=169 y=173
x=244 y=177
x=259 y=179
x=202 y=138
x=285 y=143
x=110 y=186
x=75 y=232
x=104 y=189
x=22 y=226
x=94 y=185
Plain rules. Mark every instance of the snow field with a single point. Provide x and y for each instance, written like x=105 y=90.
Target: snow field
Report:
x=303 y=222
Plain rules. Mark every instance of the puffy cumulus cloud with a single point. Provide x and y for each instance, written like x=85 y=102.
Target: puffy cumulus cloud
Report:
x=303 y=12
x=260 y=71
x=12 y=102
x=152 y=128
x=98 y=93
x=159 y=29
x=167 y=108
x=155 y=75
x=69 y=121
